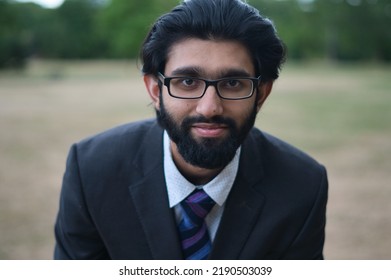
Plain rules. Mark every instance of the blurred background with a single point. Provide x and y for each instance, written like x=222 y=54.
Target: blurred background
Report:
x=69 y=69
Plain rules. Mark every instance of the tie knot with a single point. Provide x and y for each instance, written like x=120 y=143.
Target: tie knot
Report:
x=199 y=203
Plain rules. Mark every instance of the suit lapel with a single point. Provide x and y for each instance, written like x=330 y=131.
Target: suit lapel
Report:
x=240 y=215
x=149 y=195
x=243 y=206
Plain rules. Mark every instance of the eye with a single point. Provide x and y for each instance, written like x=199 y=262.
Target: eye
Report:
x=231 y=84
x=188 y=82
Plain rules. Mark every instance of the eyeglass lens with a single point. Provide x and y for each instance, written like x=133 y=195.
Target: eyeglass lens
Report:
x=227 y=88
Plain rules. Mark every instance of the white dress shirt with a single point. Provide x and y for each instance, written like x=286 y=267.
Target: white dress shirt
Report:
x=179 y=187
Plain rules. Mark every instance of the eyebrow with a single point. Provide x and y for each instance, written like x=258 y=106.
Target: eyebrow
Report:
x=194 y=71
x=191 y=71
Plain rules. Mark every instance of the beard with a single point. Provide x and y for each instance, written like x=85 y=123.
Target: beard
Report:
x=208 y=153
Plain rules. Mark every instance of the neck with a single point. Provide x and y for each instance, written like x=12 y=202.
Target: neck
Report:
x=194 y=174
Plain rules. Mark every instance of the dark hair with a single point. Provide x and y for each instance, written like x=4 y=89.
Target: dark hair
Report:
x=215 y=20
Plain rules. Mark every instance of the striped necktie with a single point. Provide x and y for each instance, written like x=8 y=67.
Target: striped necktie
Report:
x=194 y=234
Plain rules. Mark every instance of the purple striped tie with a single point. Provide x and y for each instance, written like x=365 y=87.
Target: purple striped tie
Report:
x=192 y=229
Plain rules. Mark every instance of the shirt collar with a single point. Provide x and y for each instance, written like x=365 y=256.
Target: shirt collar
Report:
x=178 y=187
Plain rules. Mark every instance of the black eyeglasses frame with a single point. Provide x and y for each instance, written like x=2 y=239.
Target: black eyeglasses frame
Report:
x=166 y=81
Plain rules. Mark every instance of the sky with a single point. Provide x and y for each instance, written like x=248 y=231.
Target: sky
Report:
x=45 y=3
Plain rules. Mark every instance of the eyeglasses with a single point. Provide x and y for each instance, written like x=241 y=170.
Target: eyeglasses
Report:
x=230 y=88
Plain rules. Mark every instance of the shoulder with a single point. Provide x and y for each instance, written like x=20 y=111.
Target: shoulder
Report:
x=274 y=149
x=282 y=162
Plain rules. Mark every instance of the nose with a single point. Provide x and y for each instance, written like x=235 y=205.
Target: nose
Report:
x=210 y=104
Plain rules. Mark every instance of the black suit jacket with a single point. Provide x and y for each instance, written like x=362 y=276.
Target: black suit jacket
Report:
x=114 y=202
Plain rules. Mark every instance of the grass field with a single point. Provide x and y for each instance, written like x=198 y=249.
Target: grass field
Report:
x=339 y=114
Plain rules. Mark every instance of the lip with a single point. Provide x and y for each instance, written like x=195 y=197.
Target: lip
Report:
x=210 y=130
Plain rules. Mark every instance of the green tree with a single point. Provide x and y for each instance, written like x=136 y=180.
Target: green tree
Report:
x=124 y=24
x=13 y=41
x=357 y=30
x=336 y=29
x=296 y=24
x=75 y=33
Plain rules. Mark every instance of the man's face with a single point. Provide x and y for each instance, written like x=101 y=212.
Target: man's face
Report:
x=207 y=131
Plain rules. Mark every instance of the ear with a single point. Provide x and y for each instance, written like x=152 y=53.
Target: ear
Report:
x=264 y=89
x=152 y=86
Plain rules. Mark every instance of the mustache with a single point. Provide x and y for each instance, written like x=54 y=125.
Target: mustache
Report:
x=189 y=121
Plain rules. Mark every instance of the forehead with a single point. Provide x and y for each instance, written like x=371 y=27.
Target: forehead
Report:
x=208 y=58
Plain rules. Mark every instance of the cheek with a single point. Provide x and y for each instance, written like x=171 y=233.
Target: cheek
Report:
x=240 y=110
x=178 y=108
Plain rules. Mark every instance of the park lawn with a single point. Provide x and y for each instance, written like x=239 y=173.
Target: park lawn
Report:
x=340 y=114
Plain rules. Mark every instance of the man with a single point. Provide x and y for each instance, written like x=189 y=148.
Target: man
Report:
x=200 y=182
